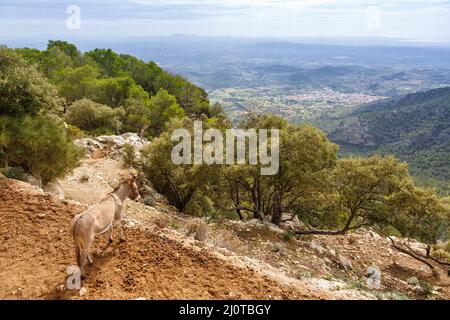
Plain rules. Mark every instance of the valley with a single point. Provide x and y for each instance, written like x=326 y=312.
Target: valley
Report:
x=329 y=86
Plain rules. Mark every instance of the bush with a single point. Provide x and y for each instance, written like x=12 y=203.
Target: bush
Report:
x=198 y=228
x=16 y=173
x=129 y=156
x=74 y=132
x=93 y=117
x=24 y=90
x=39 y=145
x=288 y=235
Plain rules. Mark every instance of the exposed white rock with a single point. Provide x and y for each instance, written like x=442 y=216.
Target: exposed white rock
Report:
x=112 y=144
x=54 y=188
x=345 y=263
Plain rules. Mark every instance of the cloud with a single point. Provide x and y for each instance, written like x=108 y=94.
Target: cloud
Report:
x=400 y=18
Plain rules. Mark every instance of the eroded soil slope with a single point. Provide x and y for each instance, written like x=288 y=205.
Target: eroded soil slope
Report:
x=36 y=248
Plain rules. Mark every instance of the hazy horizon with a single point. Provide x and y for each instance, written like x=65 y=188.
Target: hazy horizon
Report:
x=413 y=20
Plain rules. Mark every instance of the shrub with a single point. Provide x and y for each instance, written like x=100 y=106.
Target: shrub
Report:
x=288 y=235
x=198 y=228
x=24 y=90
x=74 y=132
x=39 y=145
x=229 y=240
x=128 y=156
x=149 y=201
x=16 y=173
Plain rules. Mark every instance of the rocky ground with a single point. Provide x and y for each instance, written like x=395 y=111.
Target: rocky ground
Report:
x=168 y=255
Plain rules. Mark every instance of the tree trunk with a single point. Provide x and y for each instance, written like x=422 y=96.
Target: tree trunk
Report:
x=239 y=213
x=277 y=210
x=143 y=131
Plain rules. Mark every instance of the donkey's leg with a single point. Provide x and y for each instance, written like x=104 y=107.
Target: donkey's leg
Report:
x=110 y=234
x=82 y=261
x=118 y=223
x=90 y=258
x=84 y=255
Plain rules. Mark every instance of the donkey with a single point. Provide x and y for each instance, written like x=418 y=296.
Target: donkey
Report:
x=100 y=219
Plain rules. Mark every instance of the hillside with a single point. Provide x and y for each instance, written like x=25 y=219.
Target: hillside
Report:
x=414 y=127
x=166 y=257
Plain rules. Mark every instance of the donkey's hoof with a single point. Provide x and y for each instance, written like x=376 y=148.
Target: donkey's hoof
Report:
x=83 y=277
x=110 y=240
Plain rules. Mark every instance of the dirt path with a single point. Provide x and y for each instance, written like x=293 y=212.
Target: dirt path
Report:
x=36 y=249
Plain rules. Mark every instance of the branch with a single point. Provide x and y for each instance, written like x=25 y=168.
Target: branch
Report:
x=411 y=253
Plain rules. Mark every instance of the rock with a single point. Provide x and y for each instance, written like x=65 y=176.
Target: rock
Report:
x=113 y=144
x=150 y=196
x=274 y=228
x=55 y=188
x=293 y=223
x=345 y=263
x=315 y=245
x=413 y=281
x=374 y=234
x=83 y=292
x=416 y=246
x=2 y=176
x=89 y=144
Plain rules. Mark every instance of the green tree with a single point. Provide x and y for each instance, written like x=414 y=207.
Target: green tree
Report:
x=110 y=91
x=379 y=191
x=108 y=61
x=164 y=107
x=138 y=113
x=65 y=47
x=76 y=83
x=181 y=184
x=39 y=145
x=23 y=90
x=306 y=157
x=94 y=117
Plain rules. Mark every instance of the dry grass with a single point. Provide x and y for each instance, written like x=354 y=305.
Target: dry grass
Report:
x=162 y=221
x=226 y=239
x=198 y=228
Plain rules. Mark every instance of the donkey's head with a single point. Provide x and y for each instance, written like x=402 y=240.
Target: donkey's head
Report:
x=133 y=193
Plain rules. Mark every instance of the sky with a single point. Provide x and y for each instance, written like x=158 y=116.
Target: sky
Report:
x=417 y=20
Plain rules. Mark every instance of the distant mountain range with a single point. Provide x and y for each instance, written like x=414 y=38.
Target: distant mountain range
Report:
x=415 y=127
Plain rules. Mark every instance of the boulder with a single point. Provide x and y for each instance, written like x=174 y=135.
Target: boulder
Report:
x=54 y=188
x=113 y=144
x=37 y=182
x=315 y=245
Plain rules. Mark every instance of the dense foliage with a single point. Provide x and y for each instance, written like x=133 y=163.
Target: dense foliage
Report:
x=415 y=127
x=32 y=137
x=23 y=90
x=101 y=92
x=331 y=196
x=148 y=95
x=39 y=145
